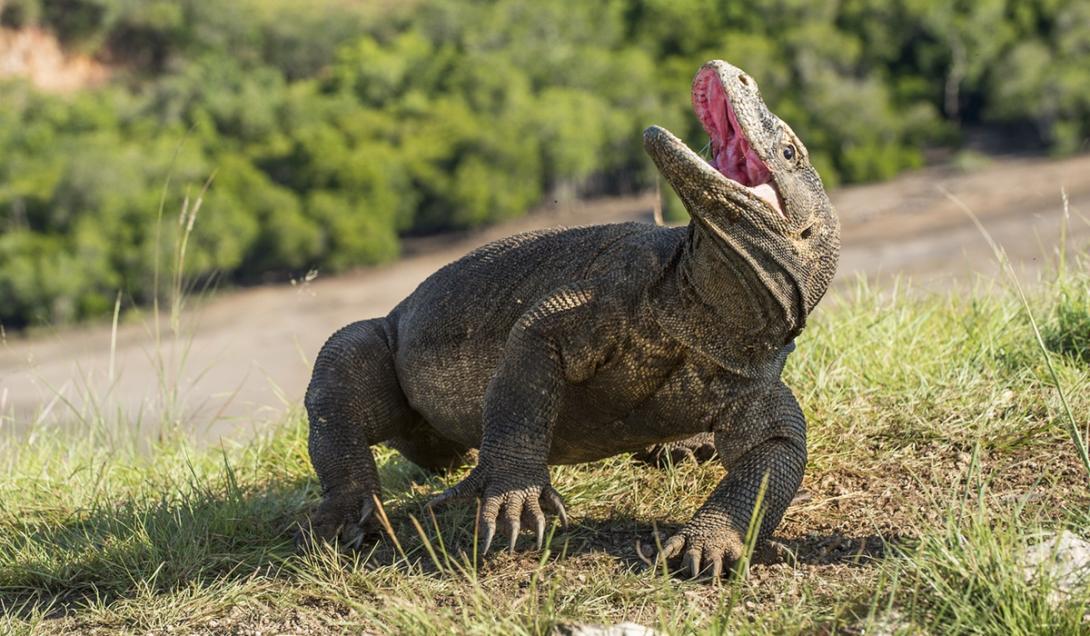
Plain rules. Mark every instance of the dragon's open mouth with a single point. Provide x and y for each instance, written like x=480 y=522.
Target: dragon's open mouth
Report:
x=732 y=154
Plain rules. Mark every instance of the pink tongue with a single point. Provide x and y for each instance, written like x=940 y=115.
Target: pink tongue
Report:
x=731 y=152
x=766 y=192
x=732 y=155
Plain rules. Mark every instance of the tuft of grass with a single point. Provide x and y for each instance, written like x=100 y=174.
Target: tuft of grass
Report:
x=1067 y=332
x=970 y=576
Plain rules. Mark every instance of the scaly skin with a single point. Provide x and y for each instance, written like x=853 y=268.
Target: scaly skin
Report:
x=567 y=346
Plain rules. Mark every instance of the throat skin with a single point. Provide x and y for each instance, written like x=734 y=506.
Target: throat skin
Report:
x=709 y=299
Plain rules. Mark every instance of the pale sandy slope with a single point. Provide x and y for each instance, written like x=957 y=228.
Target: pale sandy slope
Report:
x=247 y=352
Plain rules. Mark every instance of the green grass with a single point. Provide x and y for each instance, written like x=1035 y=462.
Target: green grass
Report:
x=1068 y=331
x=939 y=448
x=962 y=579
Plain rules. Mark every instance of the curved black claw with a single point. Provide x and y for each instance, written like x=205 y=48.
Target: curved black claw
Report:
x=513 y=503
x=332 y=523
x=710 y=555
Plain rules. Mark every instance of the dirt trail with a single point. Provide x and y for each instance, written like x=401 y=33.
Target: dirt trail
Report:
x=248 y=354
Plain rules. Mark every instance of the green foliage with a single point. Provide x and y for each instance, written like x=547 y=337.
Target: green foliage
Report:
x=336 y=126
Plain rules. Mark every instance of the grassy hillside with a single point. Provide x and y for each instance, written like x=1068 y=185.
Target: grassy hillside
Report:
x=330 y=129
x=939 y=449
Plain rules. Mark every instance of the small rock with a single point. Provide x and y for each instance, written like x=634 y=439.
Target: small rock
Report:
x=1063 y=558
x=620 y=629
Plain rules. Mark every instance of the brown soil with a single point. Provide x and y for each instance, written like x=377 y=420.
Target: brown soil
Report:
x=248 y=354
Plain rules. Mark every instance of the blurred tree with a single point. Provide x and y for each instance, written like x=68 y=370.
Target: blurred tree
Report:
x=1046 y=78
x=334 y=127
x=969 y=35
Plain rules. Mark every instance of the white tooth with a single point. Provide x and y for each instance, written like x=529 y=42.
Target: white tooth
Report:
x=766 y=192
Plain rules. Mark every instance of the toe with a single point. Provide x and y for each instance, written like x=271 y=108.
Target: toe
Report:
x=681 y=455
x=534 y=516
x=704 y=453
x=672 y=547
x=717 y=566
x=691 y=562
x=451 y=495
x=551 y=500
x=512 y=519
x=464 y=490
x=445 y=498
x=490 y=510
x=488 y=531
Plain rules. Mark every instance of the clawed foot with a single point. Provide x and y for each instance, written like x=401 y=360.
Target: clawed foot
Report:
x=697 y=449
x=344 y=521
x=511 y=497
x=702 y=552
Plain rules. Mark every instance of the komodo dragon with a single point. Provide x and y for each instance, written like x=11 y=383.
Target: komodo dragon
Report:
x=570 y=345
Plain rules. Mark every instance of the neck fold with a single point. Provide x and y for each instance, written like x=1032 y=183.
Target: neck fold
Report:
x=710 y=300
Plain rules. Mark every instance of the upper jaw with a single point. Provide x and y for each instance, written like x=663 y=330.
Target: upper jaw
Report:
x=702 y=187
x=738 y=169
x=729 y=107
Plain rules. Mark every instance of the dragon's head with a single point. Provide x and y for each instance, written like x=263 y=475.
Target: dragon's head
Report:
x=758 y=198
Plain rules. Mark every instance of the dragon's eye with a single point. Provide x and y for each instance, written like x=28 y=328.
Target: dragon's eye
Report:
x=789 y=152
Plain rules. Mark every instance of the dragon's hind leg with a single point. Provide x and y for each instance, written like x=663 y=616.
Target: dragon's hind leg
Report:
x=699 y=448
x=423 y=447
x=353 y=401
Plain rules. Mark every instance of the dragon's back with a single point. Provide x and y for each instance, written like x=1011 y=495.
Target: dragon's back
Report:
x=449 y=334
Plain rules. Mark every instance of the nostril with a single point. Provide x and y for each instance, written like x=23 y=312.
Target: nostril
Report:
x=744 y=79
x=807 y=232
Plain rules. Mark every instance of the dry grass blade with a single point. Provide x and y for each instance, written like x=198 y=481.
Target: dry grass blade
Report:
x=380 y=512
x=111 y=373
x=428 y=547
